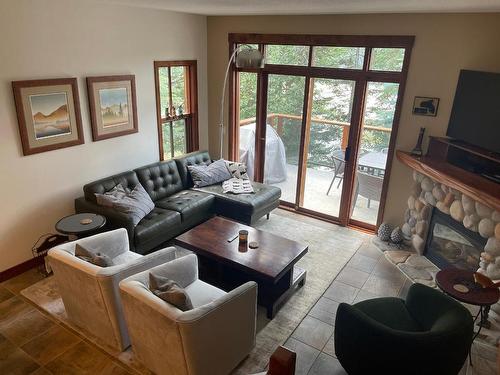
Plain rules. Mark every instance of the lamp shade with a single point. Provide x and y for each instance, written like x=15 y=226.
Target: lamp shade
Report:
x=249 y=58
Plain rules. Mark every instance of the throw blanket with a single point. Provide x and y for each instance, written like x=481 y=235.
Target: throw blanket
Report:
x=237 y=186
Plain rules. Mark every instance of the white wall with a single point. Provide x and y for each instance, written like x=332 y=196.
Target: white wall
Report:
x=70 y=38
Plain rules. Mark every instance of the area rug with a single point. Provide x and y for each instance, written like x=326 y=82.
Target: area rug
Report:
x=329 y=250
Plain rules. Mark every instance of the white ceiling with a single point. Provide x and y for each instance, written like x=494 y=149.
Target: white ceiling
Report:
x=249 y=7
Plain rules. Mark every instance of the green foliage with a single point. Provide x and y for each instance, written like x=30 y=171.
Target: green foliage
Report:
x=332 y=99
x=179 y=136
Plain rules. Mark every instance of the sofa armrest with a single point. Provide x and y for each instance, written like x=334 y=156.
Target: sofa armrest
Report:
x=114 y=218
x=224 y=328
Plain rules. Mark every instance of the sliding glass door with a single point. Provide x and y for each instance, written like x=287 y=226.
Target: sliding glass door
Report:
x=326 y=140
x=320 y=120
x=285 y=103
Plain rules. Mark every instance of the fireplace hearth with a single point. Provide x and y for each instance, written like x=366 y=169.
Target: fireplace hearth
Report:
x=450 y=244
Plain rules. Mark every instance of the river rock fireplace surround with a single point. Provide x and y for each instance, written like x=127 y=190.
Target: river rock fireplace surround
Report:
x=452 y=219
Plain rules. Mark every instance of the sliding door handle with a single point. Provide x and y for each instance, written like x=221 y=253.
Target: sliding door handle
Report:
x=347 y=154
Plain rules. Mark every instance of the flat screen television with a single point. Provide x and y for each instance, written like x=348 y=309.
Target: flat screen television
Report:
x=475 y=117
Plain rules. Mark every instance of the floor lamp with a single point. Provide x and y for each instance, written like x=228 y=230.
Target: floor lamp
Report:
x=246 y=57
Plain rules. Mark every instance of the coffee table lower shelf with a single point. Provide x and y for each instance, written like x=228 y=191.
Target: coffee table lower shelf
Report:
x=270 y=295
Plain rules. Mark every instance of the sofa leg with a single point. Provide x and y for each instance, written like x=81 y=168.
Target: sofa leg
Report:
x=267 y=216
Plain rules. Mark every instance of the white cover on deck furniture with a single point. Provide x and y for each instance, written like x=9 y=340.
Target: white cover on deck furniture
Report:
x=275 y=164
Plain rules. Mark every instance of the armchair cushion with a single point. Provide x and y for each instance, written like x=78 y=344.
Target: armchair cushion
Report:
x=170 y=292
x=101 y=260
x=202 y=293
x=391 y=312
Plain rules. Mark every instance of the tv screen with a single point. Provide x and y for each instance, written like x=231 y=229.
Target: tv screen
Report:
x=475 y=117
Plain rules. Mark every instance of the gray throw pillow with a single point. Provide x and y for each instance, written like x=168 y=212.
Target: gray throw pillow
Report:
x=98 y=259
x=205 y=175
x=135 y=204
x=169 y=291
x=108 y=198
x=237 y=170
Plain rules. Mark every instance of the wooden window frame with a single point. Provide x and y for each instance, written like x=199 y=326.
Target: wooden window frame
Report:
x=191 y=94
x=360 y=76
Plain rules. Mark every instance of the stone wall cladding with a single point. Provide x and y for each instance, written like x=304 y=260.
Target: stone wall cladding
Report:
x=427 y=193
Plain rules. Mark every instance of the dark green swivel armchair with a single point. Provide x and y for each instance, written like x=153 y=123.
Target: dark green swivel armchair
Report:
x=429 y=333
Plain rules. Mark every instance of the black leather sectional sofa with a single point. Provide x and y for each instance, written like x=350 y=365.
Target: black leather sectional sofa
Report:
x=178 y=206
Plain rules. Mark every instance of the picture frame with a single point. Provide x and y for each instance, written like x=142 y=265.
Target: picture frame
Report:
x=113 y=107
x=425 y=106
x=48 y=114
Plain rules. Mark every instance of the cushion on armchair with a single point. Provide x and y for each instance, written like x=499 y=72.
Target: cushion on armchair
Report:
x=169 y=291
x=101 y=260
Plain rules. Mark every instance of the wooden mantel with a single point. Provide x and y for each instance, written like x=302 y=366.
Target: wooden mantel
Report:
x=473 y=185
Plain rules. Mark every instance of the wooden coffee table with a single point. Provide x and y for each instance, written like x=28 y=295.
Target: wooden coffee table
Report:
x=228 y=264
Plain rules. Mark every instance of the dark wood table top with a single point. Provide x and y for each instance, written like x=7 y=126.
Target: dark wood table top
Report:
x=477 y=295
x=72 y=224
x=274 y=256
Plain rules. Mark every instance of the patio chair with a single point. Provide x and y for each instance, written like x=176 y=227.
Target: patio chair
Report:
x=369 y=186
x=338 y=168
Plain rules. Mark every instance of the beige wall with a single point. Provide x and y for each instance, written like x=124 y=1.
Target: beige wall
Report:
x=68 y=38
x=444 y=44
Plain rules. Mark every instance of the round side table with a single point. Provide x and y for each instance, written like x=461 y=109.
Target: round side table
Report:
x=452 y=280
x=80 y=225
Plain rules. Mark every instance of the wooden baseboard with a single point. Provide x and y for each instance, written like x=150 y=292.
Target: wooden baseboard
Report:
x=20 y=268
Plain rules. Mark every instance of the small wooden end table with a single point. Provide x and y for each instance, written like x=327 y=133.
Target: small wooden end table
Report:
x=476 y=295
x=80 y=225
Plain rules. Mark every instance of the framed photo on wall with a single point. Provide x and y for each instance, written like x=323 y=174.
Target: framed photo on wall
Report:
x=113 y=108
x=425 y=106
x=48 y=114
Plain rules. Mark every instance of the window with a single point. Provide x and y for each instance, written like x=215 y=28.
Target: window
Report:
x=339 y=57
x=387 y=59
x=176 y=107
x=287 y=55
x=320 y=120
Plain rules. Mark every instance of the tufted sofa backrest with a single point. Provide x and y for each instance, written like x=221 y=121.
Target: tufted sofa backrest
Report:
x=126 y=179
x=160 y=179
x=193 y=158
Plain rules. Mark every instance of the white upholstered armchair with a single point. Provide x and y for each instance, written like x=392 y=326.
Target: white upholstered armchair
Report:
x=90 y=293
x=212 y=338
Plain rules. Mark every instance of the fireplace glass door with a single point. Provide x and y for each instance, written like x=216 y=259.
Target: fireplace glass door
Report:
x=450 y=244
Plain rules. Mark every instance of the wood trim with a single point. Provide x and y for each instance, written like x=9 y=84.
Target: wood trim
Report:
x=93 y=110
x=21 y=268
x=394 y=134
x=18 y=85
x=305 y=138
x=393 y=41
x=191 y=123
x=260 y=129
x=360 y=76
x=234 y=111
x=477 y=187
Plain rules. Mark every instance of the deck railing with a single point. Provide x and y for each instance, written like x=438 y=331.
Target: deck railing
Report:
x=276 y=121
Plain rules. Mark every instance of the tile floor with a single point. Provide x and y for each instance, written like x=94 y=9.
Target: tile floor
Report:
x=367 y=275
x=34 y=343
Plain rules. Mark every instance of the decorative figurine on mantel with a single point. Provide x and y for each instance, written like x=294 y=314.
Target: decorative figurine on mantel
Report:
x=417 y=150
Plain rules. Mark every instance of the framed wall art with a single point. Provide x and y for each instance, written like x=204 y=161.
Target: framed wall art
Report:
x=425 y=106
x=48 y=114
x=113 y=109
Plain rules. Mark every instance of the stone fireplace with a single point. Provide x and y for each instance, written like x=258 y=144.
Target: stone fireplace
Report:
x=481 y=222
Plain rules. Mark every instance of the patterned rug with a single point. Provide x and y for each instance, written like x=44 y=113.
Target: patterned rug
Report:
x=329 y=250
